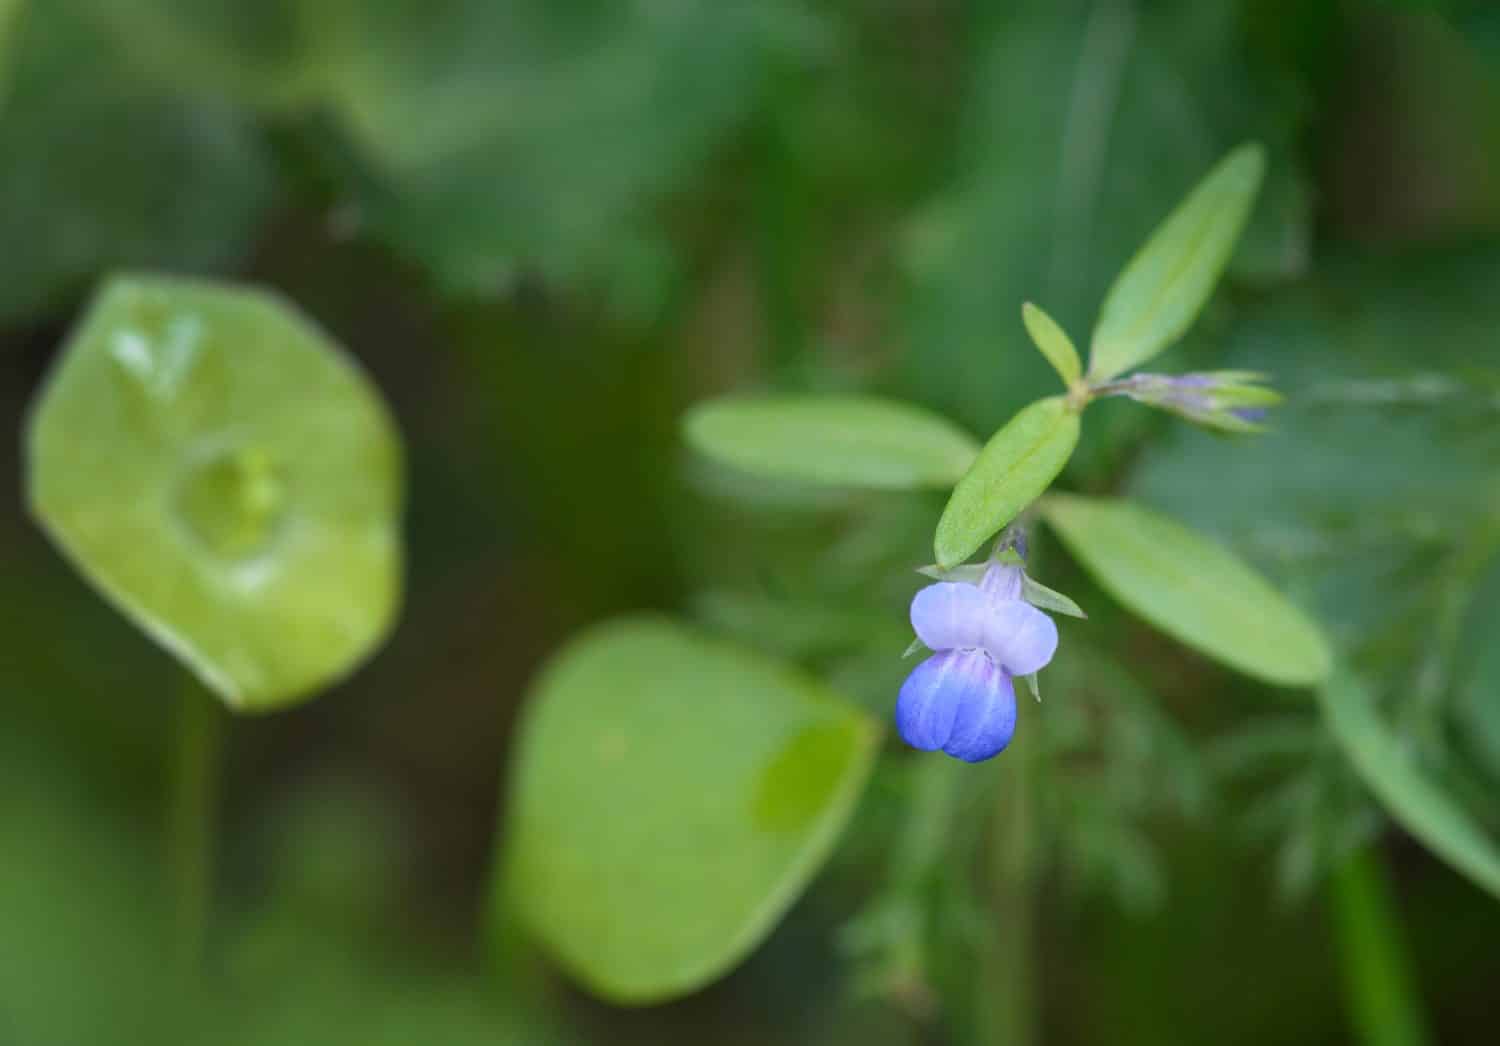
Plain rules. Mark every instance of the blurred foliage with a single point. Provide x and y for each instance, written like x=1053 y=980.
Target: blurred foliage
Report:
x=643 y=852
x=545 y=228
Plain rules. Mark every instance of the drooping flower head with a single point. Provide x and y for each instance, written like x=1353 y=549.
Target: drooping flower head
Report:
x=962 y=699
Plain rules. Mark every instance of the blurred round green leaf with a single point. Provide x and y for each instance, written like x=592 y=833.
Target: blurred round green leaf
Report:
x=1159 y=294
x=672 y=797
x=1012 y=471
x=854 y=441
x=1414 y=799
x=1191 y=588
x=224 y=474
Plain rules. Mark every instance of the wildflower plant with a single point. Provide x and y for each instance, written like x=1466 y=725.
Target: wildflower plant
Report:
x=230 y=480
x=984 y=627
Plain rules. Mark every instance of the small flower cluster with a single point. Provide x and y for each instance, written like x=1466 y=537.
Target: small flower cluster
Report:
x=962 y=699
x=1229 y=400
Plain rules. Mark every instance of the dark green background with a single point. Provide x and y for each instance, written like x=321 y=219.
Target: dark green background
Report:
x=546 y=228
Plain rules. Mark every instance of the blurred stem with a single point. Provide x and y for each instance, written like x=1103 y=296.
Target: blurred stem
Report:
x=1381 y=995
x=1005 y=1005
x=195 y=801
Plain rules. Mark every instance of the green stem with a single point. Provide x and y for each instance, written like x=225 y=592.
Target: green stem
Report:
x=1005 y=1005
x=195 y=800
x=1380 y=992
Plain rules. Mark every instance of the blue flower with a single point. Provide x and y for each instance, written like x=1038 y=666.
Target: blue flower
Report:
x=961 y=700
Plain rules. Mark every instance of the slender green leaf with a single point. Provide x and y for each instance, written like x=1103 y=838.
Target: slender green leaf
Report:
x=1159 y=294
x=224 y=474
x=1053 y=343
x=843 y=441
x=1039 y=595
x=1191 y=588
x=1012 y=471
x=1414 y=799
x=672 y=797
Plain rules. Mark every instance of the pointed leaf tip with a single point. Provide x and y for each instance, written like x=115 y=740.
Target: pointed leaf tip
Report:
x=1053 y=343
x=1161 y=291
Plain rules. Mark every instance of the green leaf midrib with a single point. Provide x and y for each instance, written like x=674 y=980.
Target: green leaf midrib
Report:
x=1168 y=568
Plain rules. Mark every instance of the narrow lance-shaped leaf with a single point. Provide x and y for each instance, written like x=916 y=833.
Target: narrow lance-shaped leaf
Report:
x=219 y=469
x=1416 y=801
x=1012 y=471
x=1053 y=343
x=1159 y=294
x=1191 y=588
x=849 y=441
x=672 y=797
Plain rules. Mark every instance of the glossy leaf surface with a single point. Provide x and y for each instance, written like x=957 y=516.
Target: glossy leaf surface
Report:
x=219 y=469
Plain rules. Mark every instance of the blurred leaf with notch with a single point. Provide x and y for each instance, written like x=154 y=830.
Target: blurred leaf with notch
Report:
x=671 y=797
x=225 y=475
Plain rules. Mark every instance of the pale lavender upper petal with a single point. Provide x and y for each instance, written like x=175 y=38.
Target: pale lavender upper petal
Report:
x=1019 y=637
x=957 y=701
x=950 y=615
